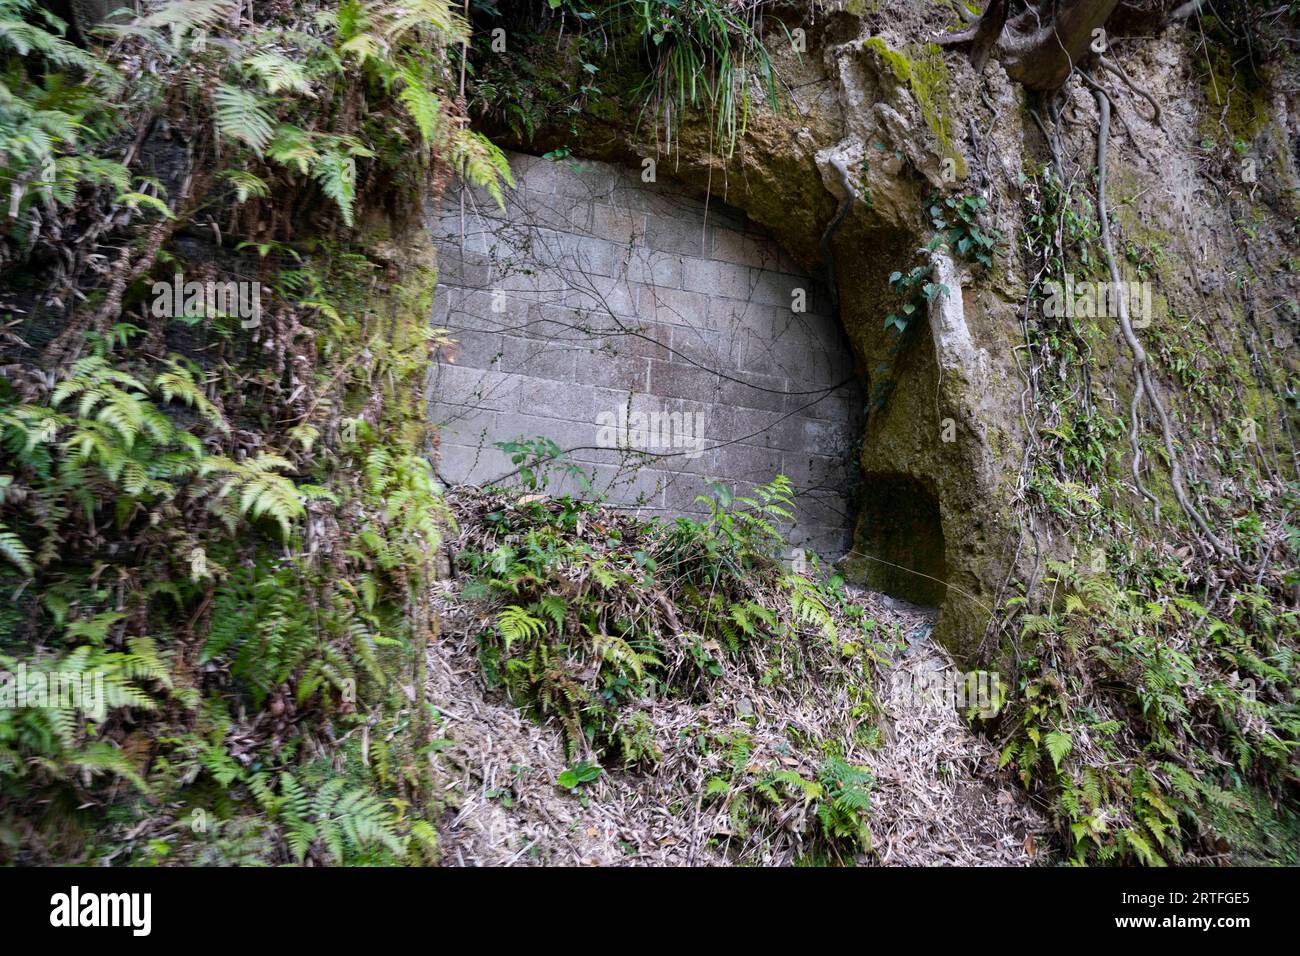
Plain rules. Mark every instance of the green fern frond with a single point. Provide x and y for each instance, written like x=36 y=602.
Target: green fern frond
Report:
x=1058 y=746
x=241 y=115
x=336 y=173
x=278 y=73
x=291 y=146
x=247 y=185
x=481 y=163
x=422 y=105
x=99 y=757
x=13 y=550
x=514 y=623
x=433 y=18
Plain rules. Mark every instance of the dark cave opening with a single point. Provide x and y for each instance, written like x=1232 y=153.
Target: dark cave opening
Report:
x=900 y=544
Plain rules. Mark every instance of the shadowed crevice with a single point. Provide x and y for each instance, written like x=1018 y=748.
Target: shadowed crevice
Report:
x=900 y=540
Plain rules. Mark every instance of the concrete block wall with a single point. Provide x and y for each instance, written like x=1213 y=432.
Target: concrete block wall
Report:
x=594 y=299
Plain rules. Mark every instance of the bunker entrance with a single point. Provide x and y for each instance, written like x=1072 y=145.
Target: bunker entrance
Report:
x=663 y=344
x=900 y=540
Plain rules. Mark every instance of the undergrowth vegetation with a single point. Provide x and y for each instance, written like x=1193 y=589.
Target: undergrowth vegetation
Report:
x=1156 y=705
x=590 y=618
x=536 y=66
x=224 y=522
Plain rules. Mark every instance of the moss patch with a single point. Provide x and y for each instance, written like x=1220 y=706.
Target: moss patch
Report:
x=1232 y=99
x=924 y=73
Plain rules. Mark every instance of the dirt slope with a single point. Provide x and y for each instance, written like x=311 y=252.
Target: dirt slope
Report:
x=936 y=797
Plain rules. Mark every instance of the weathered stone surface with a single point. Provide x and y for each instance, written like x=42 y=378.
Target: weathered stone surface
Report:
x=642 y=301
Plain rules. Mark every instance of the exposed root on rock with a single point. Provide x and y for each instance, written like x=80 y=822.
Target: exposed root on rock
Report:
x=1141 y=369
x=1116 y=70
x=1040 y=45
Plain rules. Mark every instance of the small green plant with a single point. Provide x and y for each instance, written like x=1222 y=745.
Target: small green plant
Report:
x=956 y=221
x=579 y=775
x=916 y=290
x=739 y=529
x=341 y=825
x=835 y=800
x=535 y=458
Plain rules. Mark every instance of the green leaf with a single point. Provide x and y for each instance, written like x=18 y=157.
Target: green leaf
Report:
x=136 y=200
x=241 y=116
x=1058 y=745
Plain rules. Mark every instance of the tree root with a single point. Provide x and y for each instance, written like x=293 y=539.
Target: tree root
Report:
x=1141 y=370
x=1137 y=90
x=1040 y=45
x=956 y=39
x=1134 y=441
x=1137 y=144
x=828 y=253
x=1052 y=145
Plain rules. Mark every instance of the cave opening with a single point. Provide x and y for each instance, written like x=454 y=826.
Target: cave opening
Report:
x=900 y=546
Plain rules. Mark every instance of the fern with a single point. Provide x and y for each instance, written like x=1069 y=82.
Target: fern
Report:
x=481 y=163
x=177 y=383
x=241 y=115
x=432 y=18
x=117 y=473
x=102 y=757
x=278 y=73
x=422 y=844
x=293 y=147
x=809 y=608
x=422 y=105
x=13 y=550
x=516 y=624
x=336 y=172
x=1058 y=746
x=262 y=492
x=185 y=16
x=247 y=186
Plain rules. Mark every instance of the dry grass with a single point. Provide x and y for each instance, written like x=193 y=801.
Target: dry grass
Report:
x=936 y=799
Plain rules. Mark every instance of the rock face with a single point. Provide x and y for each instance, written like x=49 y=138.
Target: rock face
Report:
x=85 y=15
x=951 y=418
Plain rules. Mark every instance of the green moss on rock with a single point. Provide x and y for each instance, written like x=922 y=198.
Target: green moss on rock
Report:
x=924 y=73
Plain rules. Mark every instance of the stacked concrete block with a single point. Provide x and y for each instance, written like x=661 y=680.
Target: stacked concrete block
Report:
x=662 y=341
